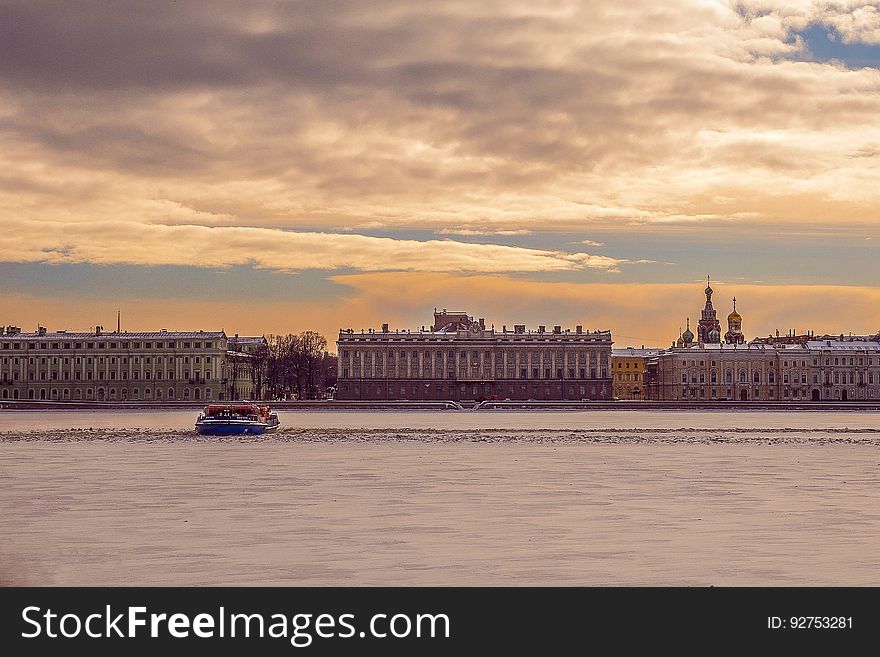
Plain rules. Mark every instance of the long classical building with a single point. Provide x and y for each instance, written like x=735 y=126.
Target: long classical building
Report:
x=101 y=366
x=791 y=368
x=460 y=359
x=819 y=370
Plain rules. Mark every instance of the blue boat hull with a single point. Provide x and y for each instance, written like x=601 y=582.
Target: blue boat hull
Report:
x=231 y=429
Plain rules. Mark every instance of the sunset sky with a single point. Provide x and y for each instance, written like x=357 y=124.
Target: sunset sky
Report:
x=271 y=166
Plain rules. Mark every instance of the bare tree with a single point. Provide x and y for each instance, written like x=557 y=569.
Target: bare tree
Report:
x=259 y=358
x=296 y=366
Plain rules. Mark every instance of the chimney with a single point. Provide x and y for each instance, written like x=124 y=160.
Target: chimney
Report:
x=557 y=330
x=41 y=330
x=482 y=323
x=542 y=328
x=384 y=328
x=578 y=329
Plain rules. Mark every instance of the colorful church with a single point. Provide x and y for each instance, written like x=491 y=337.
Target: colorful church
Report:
x=709 y=328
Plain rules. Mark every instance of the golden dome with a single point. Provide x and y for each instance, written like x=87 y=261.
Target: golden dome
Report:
x=734 y=316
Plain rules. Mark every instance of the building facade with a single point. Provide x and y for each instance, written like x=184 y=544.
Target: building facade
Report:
x=628 y=372
x=819 y=370
x=844 y=370
x=460 y=359
x=119 y=366
x=782 y=368
x=245 y=358
x=720 y=372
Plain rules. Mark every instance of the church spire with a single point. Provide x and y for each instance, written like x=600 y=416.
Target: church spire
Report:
x=709 y=323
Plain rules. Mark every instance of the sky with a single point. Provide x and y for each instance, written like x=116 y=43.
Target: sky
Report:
x=279 y=166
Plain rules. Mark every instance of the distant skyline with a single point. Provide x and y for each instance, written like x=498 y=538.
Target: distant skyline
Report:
x=283 y=166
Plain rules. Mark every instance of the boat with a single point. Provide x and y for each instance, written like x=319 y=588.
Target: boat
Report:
x=235 y=419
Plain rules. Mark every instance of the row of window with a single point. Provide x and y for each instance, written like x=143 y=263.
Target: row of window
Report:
x=102 y=376
x=474 y=355
x=78 y=360
x=839 y=377
x=827 y=361
x=100 y=394
x=787 y=393
x=110 y=345
x=511 y=390
x=536 y=373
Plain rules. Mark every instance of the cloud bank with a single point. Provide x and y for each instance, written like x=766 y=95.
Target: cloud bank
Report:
x=194 y=132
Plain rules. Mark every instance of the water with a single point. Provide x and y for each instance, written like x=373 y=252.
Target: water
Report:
x=456 y=420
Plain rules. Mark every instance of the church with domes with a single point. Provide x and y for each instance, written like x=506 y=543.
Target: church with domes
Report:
x=709 y=328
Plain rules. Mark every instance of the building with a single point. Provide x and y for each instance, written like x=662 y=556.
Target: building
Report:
x=459 y=358
x=844 y=370
x=628 y=371
x=119 y=366
x=820 y=370
x=245 y=358
x=794 y=367
x=721 y=372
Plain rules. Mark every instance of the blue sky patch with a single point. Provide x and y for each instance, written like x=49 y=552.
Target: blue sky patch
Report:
x=825 y=44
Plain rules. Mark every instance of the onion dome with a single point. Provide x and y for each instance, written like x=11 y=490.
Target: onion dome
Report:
x=714 y=336
x=708 y=288
x=734 y=317
x=688 y=335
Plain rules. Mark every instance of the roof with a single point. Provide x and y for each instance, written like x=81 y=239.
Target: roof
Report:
x=844 y=345
x=482 y=334
x=242 y=339
x=631 y=351
x=748 y=348
x=453 y=327
x=147 y=335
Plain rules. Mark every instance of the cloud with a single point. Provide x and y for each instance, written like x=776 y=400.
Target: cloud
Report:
x=223 y=246
x=129 y=127
x=591 y=243
x=477 y=231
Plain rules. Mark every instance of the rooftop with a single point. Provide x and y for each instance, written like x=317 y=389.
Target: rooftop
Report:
x=632 y=351
x=145 y=335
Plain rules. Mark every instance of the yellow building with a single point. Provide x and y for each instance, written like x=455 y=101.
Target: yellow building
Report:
x=628 y=371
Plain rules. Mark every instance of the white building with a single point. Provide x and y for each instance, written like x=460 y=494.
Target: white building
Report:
x=119 y=366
